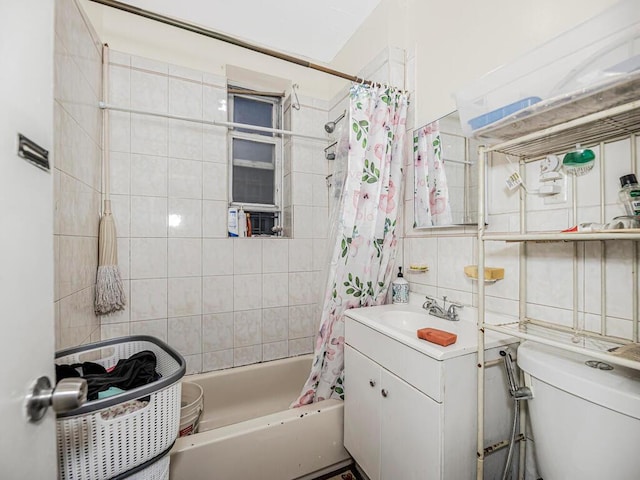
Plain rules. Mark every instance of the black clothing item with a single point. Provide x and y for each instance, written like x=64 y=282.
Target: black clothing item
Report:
x=79 y=370
x=135 y=371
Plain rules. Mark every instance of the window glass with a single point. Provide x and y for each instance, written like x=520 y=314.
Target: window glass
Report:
x=249 y=151
x=253 y=112
x=253 y=185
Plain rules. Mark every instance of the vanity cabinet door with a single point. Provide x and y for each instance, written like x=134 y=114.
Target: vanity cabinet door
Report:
x=362 y=411
x=411 y=428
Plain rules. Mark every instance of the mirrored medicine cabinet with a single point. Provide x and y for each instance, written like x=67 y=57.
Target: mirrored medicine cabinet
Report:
x=445 y=175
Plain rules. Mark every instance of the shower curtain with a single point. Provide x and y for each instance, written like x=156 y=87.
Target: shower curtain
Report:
x=363 y=221
x=431 y=193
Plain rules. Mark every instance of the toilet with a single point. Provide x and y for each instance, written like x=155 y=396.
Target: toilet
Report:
x=585 y=421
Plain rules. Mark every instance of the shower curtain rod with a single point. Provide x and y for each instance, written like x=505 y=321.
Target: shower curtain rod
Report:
x=228 y=39
x=115 y=108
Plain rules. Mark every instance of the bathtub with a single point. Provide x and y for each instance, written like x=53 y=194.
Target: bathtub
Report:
x=248 y=432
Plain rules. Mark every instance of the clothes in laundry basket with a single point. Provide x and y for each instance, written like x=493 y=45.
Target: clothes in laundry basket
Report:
x=132 y=372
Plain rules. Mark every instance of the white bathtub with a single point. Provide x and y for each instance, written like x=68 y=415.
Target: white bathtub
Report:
x=248 y=432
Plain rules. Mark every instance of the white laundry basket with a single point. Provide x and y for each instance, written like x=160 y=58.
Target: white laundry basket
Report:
x=158 y=470
x=107 y=438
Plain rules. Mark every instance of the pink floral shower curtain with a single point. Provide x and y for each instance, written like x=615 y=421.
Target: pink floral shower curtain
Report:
x=431 y=192
x=363 y=255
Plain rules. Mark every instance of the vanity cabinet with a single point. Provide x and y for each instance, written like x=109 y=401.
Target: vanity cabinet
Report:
x=391 y=428
x=406 y=415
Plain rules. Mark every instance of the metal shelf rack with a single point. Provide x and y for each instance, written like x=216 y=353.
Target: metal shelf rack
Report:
x=545 y=135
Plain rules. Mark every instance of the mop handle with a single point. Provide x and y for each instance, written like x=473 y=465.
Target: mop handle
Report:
x=106 y=171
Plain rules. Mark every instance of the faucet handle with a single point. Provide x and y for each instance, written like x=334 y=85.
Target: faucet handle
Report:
x=453 y=305
x=452 y=310
x=430 y=301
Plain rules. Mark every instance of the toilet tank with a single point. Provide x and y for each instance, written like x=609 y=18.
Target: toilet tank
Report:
x=585 y=421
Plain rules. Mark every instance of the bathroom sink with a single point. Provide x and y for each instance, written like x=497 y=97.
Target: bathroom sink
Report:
x=402 y=322
x=411 y=321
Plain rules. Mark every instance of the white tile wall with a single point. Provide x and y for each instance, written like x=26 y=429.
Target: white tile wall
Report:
x=217 y=360
x=185 y=296
x=214 y=181
x=275 y=256
x=275 y=290
x=275 y=350
x=184 y=334
x=185 y=140
x=148 y=258
x=217 y=332
x=185 y=257
x=217 y=256
x=217 y=294
x=185 y=217
x=247 y=328
x=148 y=216
x=221 y=302
x=549 y=266
x=247 y=292
x=185 y=178
x=149 y=135
x=148 y=299
x=77 y=175
x=275 y=324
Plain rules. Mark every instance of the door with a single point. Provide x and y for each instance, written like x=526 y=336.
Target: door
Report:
x=27 y=450
x=411 y=430
x=362 y=411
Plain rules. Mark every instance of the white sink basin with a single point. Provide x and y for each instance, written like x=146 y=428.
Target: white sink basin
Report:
x=402 y=322
x=412 y=321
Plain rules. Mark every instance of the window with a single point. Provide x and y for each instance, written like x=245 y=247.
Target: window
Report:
x=256 y=159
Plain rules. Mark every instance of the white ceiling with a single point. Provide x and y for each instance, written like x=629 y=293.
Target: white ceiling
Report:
x=316 y=29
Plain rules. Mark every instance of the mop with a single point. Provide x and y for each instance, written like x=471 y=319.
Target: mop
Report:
x=109 y=291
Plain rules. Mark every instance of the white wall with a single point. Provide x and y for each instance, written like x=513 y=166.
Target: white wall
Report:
x=149 y=39
x=221 y=302
x=457 y=41
x=77 y=174
x=450 y=44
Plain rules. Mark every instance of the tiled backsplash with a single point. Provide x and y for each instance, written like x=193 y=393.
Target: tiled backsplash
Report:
x=549 y=266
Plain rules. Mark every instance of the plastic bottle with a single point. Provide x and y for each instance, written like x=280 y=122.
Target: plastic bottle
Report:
x=630 y=194
x=249 y=228
x=400 y=289
x=242 y=223
x=232 y=222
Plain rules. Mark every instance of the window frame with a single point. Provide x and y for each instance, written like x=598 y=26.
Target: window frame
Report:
x=259 y=137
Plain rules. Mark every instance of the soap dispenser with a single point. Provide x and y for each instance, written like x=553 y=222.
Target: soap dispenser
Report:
x=400 y=288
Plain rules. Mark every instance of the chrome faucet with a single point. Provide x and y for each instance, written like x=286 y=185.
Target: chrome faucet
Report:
x=451 y=313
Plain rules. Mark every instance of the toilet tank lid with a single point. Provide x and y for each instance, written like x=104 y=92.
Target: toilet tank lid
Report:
x=617 y=389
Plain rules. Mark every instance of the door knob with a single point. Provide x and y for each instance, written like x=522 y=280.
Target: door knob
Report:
x=68 y=394
x=372 y=383
x=384 y=392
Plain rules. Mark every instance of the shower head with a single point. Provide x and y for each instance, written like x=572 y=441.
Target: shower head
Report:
x=329 y=127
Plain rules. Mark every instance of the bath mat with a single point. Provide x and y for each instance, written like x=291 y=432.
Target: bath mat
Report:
x=346 y=473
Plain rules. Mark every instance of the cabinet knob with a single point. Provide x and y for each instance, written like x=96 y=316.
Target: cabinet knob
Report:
x=372 y=383
x=384 y=392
